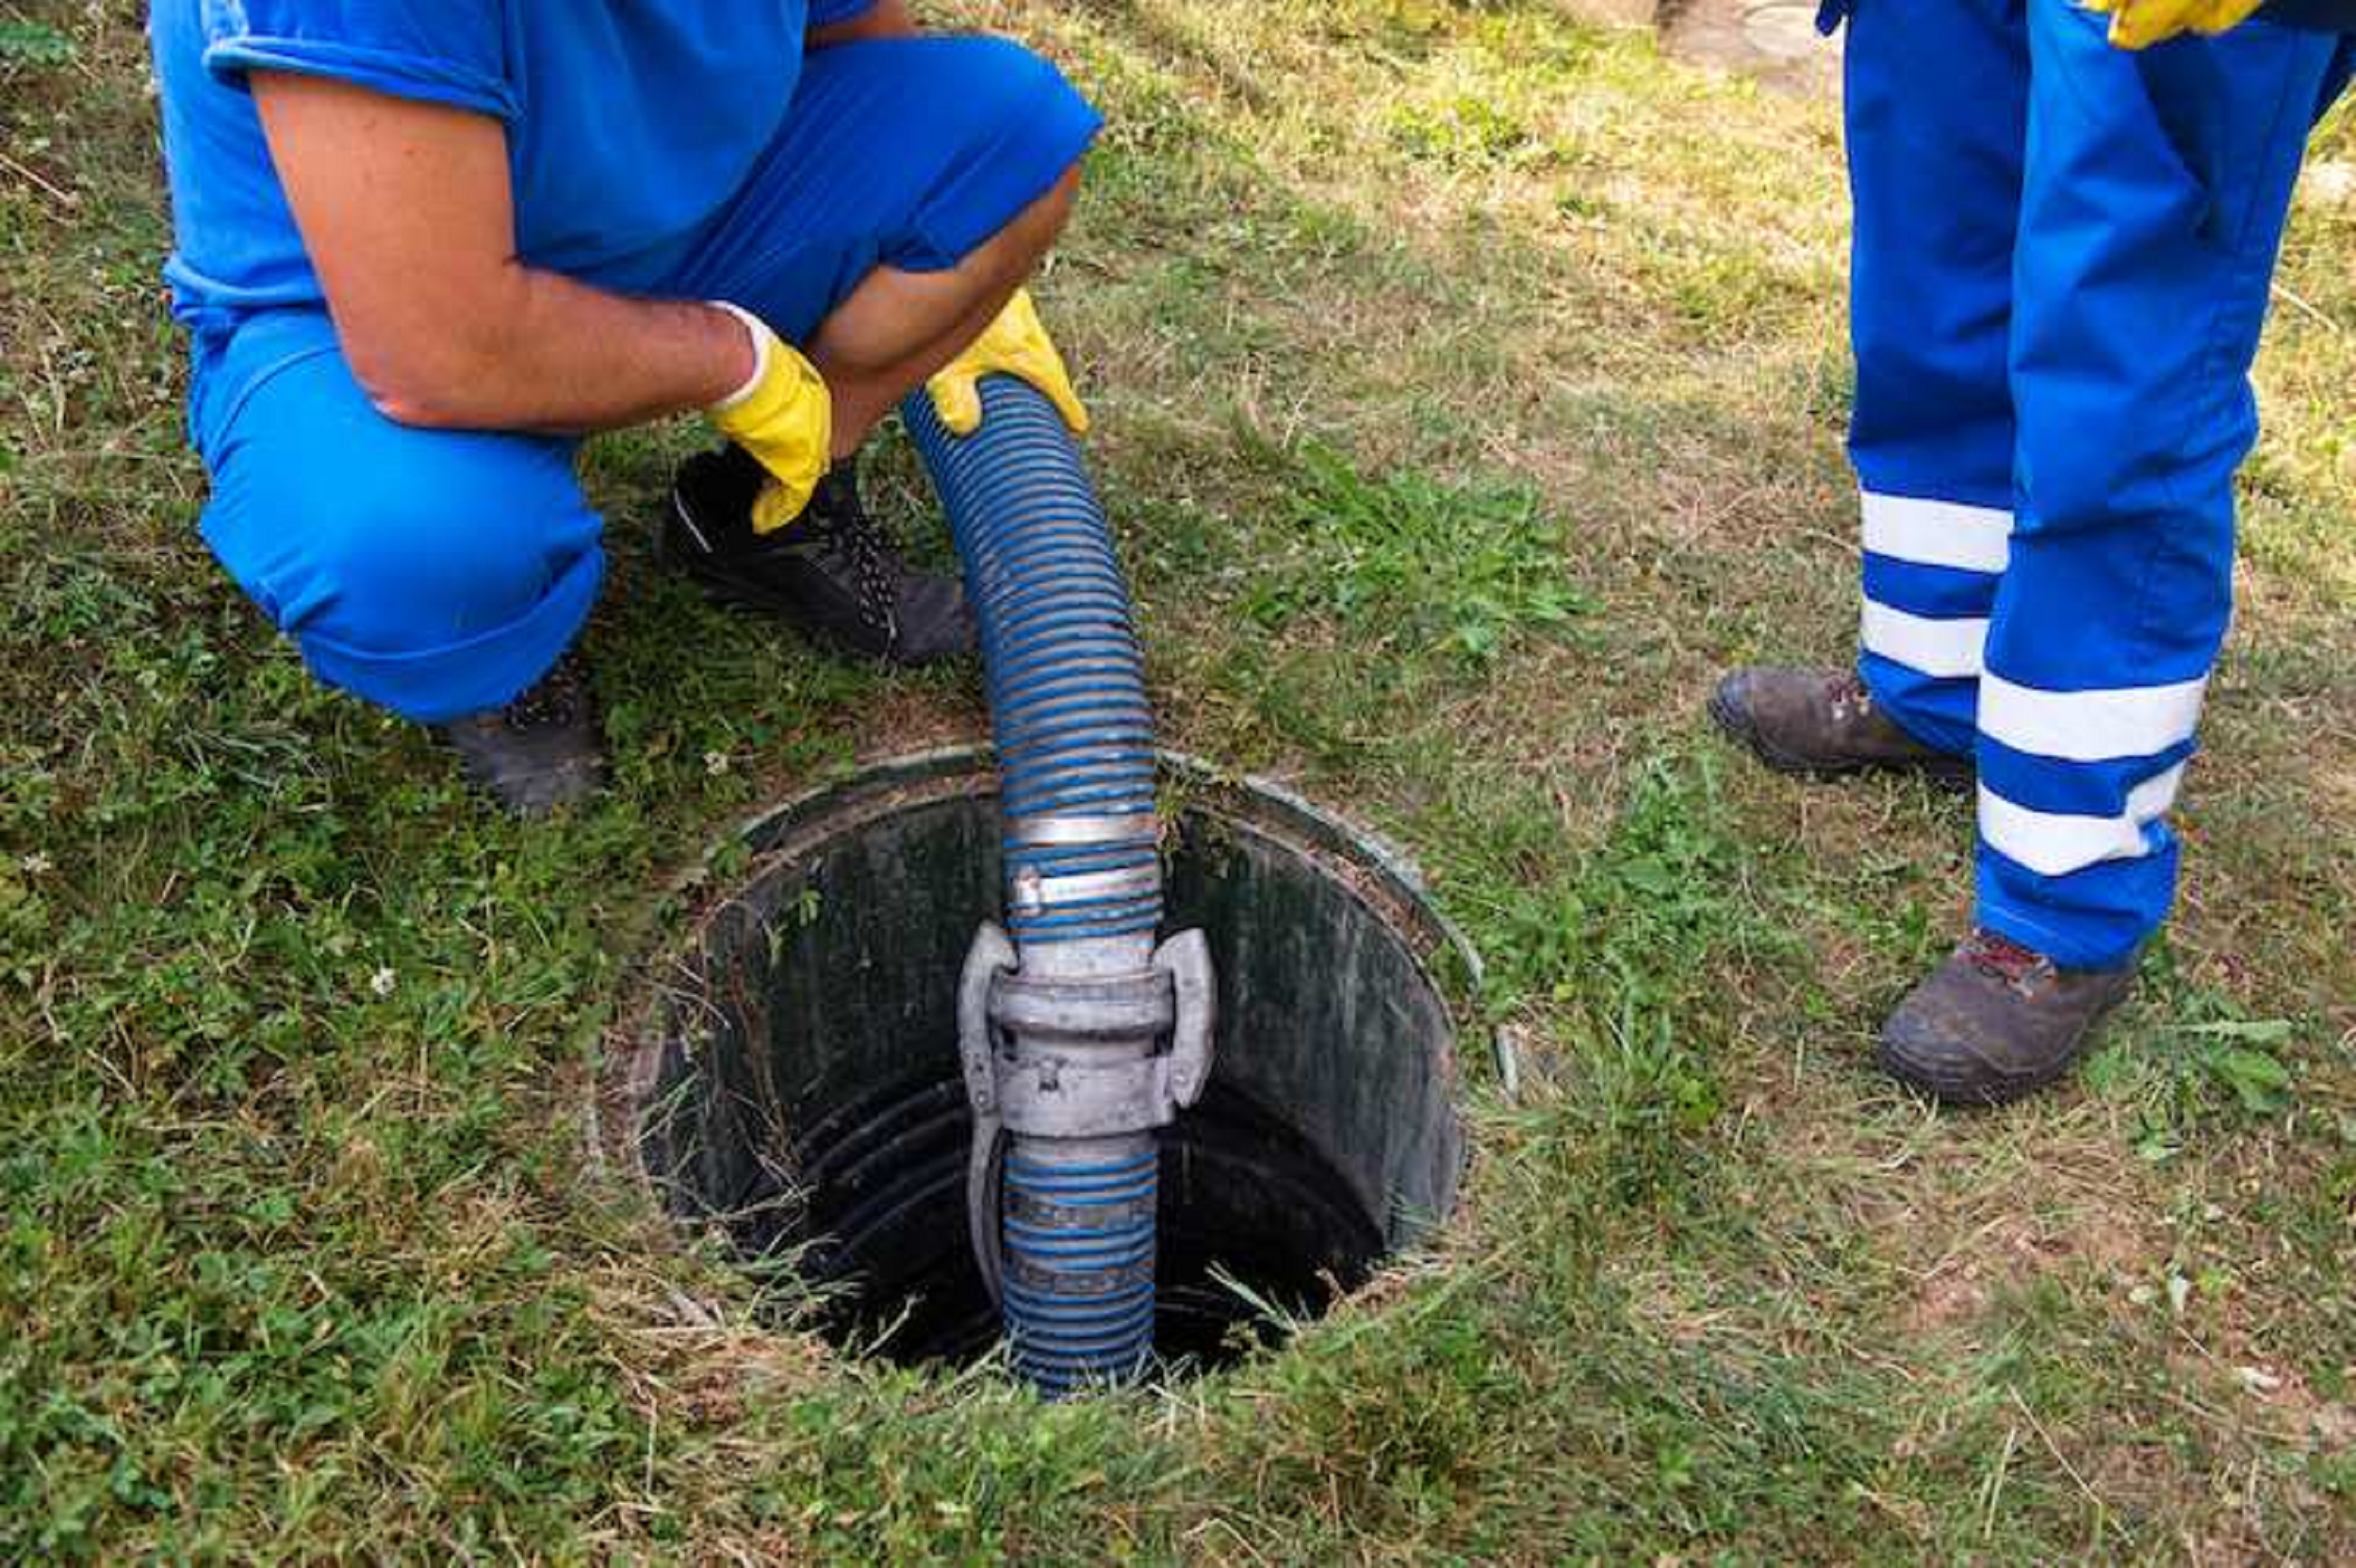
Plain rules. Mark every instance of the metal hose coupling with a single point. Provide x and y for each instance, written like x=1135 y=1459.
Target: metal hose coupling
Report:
x=1073 y=1072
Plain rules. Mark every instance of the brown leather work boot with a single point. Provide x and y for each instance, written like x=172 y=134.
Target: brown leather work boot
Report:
x=1996 y=1021
x=1822 y=724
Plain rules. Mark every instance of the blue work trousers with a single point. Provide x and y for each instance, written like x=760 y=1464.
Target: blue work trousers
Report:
x=2062 y=256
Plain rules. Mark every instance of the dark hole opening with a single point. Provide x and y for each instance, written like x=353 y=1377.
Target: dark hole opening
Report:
x=883 y=1205
x=797 y=1084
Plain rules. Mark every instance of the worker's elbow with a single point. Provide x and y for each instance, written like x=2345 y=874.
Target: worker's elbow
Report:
x=416 y=409
x=439 y=385
x=408 y=392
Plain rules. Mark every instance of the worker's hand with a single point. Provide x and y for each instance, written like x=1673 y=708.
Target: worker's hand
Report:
x=2136 y=23
x=785 y=417
x=1016 y=344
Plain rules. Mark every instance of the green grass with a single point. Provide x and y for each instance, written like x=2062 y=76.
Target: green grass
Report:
x=1469 y=387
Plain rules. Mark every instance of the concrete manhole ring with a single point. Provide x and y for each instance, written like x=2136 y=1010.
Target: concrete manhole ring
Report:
x=787 y=1077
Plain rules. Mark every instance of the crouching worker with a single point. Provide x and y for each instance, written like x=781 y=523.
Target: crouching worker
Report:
x=424 y=246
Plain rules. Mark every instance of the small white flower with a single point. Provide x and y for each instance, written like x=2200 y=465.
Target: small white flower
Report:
x=382 y=982
x=35 y=863
x=2328 y=182
x=715 y=762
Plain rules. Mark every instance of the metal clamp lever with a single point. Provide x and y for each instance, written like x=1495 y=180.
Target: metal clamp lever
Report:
x=1194 y=1013
x=1074 y=1059
x=990 y=955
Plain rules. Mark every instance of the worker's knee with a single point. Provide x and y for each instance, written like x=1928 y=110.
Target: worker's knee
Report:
x=1028 y=101
x=442 y=545
x=1917 y=380
x=397 y=569
x=920 y=156
x=434 y=572
x=1001 y=89
x=1009 y=130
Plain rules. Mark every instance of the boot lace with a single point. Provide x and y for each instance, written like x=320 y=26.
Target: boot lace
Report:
x=2005 y=961
x=1848 y=698
x=857 y=541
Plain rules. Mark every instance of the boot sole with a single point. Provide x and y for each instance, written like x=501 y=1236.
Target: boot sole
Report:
x=1950 y=773
x=1962 y=1090
x=531 y=787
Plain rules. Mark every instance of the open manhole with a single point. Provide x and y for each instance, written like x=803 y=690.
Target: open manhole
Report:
x=792 y=1078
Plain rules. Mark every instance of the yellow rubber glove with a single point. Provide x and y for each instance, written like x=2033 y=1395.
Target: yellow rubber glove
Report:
x=784 y=417
x=2139 y=23
x=1016 y=344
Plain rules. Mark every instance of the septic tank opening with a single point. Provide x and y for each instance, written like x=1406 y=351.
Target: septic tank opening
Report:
x=793 y=1079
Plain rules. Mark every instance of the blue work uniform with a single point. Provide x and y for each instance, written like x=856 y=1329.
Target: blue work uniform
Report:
x=2060 y=266
x=660 y=149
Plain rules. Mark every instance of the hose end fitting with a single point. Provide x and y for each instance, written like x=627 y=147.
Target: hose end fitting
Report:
x=1080 y=1069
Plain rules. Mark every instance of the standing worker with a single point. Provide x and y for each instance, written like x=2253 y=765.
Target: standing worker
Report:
x=2062 y=256
x=424 y=246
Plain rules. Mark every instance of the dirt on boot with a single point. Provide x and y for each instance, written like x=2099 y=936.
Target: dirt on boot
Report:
x=1823 y=723
x=1996 y=1021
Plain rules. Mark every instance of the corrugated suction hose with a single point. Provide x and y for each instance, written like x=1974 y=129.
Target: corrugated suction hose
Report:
x=1079 y=1036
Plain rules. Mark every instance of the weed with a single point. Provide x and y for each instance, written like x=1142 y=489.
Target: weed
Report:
x=1412 y=567
x=32 y=46
x=1465 y=130
x=2208 y=1063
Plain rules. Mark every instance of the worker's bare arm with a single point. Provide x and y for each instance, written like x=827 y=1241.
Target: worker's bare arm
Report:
x=884 y=19
x=407 y=211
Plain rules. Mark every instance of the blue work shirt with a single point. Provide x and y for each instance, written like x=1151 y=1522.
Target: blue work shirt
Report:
x=630 y=123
